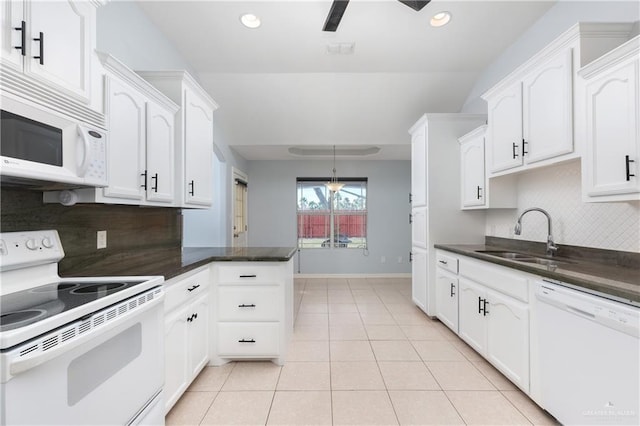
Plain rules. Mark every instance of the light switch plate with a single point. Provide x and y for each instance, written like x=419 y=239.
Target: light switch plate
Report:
x=102 y=239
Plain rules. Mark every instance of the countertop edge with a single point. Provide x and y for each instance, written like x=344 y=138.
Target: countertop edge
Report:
x=586 y=281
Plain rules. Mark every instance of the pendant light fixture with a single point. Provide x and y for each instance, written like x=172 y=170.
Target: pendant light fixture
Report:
x=334 y=185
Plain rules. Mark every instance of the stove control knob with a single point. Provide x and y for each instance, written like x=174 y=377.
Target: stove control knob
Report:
x=47 y=243
x=31 y=244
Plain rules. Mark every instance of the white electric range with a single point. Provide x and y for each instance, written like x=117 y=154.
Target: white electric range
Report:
x=76 y=351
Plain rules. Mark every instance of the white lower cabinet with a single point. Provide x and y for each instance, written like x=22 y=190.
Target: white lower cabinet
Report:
x=186 y=332
x=447 y=298
x=419 y=276
x=253 y=318
x=487 y=306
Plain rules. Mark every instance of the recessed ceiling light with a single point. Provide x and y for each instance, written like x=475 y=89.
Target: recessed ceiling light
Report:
x=250 y=20
x=440 y=19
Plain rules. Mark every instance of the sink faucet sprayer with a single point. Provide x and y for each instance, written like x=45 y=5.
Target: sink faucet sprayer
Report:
x=551 y=246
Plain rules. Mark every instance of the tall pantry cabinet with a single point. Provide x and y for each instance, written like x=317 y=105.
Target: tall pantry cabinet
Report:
x=435 y=198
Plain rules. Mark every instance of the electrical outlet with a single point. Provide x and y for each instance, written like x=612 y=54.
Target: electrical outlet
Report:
x=399 y=259
x=102 y=239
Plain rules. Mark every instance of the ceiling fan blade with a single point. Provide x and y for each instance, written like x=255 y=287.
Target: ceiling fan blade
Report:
x=335 y=15
x=415 y=4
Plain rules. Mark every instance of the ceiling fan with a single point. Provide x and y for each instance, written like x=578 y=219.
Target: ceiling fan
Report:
x=339 y=6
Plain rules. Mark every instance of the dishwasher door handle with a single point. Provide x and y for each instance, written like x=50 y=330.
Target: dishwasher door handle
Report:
x=580 y=312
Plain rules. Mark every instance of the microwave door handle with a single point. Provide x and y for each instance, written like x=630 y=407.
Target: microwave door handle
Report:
x=31 y=361
x=82 y=167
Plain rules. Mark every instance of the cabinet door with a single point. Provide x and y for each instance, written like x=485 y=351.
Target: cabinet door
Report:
x=66 y=48
x=176 y=377
x=419 y=167
x=419 y=227
x=613 y=134
x=11 y=17
x=508 y=337
x=505 y=129
x=198 y=151
x=472 y=323
x=126 y=116
x=447 y=298
x=198 y=335
x=419 y=277
x=547 y=121
x=160 y=154
x=472 y=172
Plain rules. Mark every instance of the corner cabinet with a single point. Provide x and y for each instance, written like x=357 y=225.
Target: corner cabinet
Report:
x=477 y=191
x=531 y=111
x=253 y=315
x=194 y=135
x=611 y=162
x=435 y=200
x=186 y=335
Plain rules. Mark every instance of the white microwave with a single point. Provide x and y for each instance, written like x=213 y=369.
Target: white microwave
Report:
x=42 y=149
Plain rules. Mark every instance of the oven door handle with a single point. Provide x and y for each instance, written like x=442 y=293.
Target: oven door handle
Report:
x=31 y=361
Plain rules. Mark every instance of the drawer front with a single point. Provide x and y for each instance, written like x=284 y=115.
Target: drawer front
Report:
x=248 y=273
x=248 y=339
x=446 y=261
x=252 y=303
x=497 y=277
x=184 y=290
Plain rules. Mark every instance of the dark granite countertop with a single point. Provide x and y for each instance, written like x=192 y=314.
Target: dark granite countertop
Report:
x=612 y=273
x=173 y=261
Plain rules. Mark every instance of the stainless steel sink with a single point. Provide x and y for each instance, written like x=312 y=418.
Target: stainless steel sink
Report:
x=521 y=257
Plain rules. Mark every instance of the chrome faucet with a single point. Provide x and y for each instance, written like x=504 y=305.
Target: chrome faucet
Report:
x=551 y=246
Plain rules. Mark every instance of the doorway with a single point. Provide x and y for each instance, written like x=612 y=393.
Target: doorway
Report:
x=240 y=195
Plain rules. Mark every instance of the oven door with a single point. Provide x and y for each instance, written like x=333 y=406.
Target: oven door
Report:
x=107 y=375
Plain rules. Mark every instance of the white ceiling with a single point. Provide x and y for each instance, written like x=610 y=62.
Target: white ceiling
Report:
x=278 y=87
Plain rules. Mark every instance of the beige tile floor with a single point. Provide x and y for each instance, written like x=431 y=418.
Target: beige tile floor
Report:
x=361 y=354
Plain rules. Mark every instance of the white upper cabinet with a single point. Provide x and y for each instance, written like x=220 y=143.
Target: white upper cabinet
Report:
x=532 y=111
x=198 y=146
x=160 y=153
x=547 y=105
x=611 y=163
x=477 y=191
x=472 y=171
x=51 y=42
x=505 y=131
x=419 y=167
x=126 y=117
x=193 y=136
x=141 y=150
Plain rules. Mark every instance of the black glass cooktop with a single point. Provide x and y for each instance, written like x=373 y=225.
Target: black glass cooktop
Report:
x=29 y=306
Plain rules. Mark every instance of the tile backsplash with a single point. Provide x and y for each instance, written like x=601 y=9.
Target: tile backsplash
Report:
x=557 y=189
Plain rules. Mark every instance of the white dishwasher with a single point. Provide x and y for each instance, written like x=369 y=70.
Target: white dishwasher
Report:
x=589 y=354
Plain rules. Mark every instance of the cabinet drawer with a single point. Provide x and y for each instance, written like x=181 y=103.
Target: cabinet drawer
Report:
x=251 y=303
x=496 y=277
x=182 y=290
x=248 y=273
x=248 y=339
x=447 y=262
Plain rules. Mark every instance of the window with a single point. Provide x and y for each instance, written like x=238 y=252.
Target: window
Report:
x=240 y=208
x=328 y=220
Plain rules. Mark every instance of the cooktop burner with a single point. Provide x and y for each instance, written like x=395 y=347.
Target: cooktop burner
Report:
x=29 y=306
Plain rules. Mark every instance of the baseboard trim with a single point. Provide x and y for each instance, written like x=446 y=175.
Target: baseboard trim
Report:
x=395 y=275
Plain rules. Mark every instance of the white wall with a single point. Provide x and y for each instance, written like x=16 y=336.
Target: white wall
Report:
x=124 y=31
x=557 y=20
x=557 y=189
x=272 y=214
